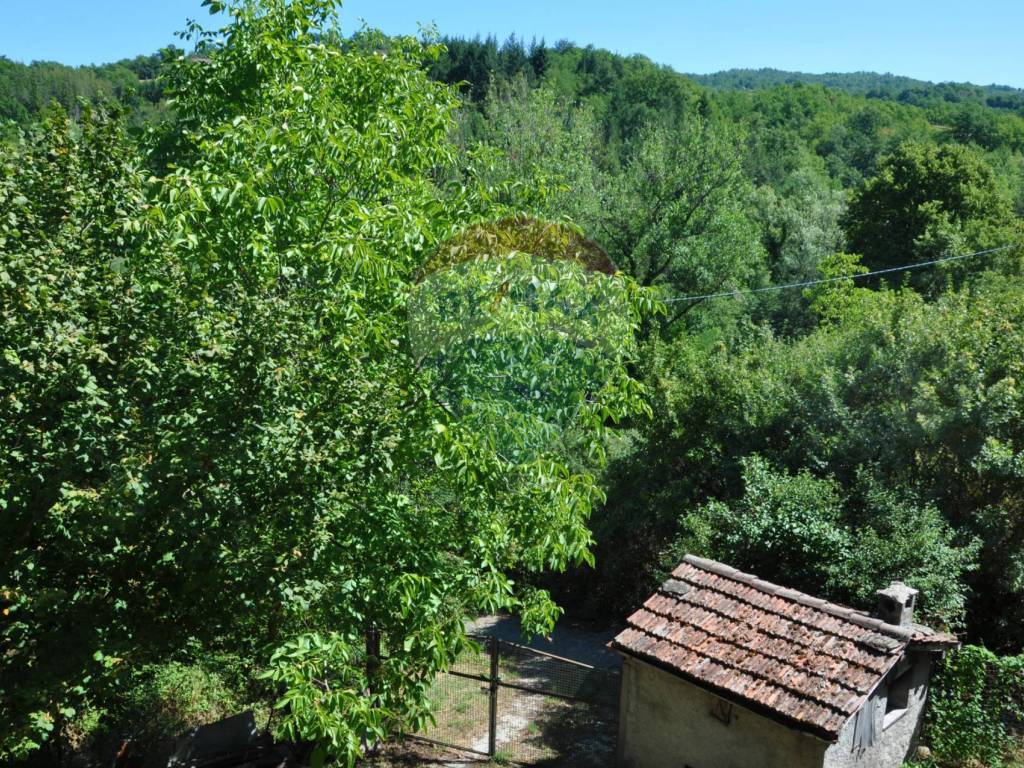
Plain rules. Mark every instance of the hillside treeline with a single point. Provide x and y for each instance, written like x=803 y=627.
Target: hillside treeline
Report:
x=888 y=87
x=228 y=462
x=27 y=89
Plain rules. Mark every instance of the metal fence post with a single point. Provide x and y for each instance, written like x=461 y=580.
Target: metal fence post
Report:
x=492 y=719
x=372 y=658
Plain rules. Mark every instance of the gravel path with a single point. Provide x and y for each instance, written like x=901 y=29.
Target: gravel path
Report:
x=570 y=641
x=519 y=711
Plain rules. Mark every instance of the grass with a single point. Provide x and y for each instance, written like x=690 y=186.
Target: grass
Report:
x=460 y=704
x=533 y=728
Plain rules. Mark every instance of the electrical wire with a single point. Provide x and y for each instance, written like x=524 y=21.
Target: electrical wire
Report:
x=807 y=283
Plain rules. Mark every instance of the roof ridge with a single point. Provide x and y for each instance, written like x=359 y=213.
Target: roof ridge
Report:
x=866 y=640
x=858 y=618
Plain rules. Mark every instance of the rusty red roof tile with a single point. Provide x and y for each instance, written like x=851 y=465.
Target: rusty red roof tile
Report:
x=810 y=662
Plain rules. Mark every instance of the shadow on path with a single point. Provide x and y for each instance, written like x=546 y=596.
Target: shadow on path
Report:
x=570 y=641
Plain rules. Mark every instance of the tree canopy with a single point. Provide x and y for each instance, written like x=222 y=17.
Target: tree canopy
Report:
x=307 y=336
x=220 y=431
x=927 y=202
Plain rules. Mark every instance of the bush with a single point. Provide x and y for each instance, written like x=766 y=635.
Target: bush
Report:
x=804 y=532
x=977 y=699
x=785 y=528
x=158 y=703
x=169 y=699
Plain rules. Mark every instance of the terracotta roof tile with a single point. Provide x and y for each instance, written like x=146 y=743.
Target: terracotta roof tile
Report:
x=802 y=658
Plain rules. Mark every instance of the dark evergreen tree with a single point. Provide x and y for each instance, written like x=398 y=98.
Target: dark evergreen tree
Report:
x=538 y=59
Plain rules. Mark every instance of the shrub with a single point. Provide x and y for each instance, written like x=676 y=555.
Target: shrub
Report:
x=805 y=532
x=158 y=703
x=784 y=528
x=172 y=698
x=976 y=700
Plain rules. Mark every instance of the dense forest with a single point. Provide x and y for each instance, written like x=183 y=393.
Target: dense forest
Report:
x=27 y=89
x=888 y=87
x=226 y=460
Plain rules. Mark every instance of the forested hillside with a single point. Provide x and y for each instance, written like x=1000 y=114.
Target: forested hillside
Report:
x=222 y=437
x=26 y=89
x=887 y=87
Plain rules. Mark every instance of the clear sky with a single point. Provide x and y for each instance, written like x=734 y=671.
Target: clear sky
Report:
x=978 y=41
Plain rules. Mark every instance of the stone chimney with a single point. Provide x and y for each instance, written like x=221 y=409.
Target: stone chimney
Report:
x=896 y=604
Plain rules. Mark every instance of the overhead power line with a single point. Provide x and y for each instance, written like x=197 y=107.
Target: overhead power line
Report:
x=807 y=283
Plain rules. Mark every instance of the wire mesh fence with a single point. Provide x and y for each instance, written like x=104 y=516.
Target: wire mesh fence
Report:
x=517 y=704
x=461 y=699
x=554 y=709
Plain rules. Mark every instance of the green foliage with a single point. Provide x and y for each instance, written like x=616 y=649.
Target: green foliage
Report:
x=293 y=366
x=871 y=84
x=801 y=234
x=549 y=150
x=166 y=700
x=899 y=538
x=66 y=307
x=832 y=301
x=28 y=89
x=853 y=147
x=673 y=216
x=156 y=703
x=668 y=208
x=798 y=530
x=782 y=528
x=976 y=125
x=850 y=119
x=975 y=698
x=907 y=407
x=221 y=433
x=927 y=202
x=527 y=344
x=325 y=695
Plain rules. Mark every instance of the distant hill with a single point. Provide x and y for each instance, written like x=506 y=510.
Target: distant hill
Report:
x=25 y=89
x=872 y=85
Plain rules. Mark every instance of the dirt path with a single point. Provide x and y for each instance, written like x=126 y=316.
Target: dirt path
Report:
x=538 y=721
x=570 y=641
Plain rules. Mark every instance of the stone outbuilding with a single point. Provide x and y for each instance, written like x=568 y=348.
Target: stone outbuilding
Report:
x=724 y=670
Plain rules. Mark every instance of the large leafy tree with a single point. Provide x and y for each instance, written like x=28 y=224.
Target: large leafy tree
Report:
x=673 y=216
x=220 y=432
x=800 y=230
x=549 y=149
x=927 y=202
x=670 y=213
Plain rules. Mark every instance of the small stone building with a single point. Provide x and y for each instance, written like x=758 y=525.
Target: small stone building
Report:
x=724 y=670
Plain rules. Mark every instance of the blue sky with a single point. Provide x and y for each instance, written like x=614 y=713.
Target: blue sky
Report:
x=938 y=40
